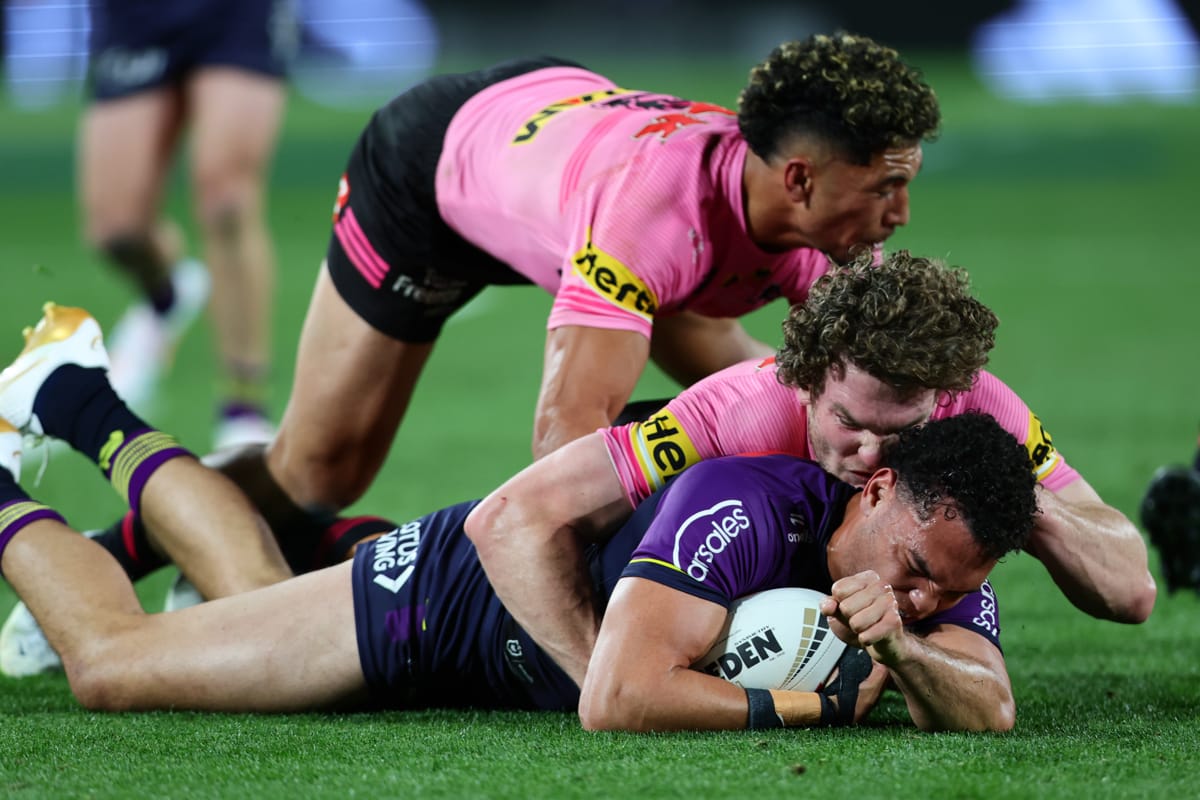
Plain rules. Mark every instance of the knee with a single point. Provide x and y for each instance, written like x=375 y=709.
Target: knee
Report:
x=319 y=473
x=225 y=206
x=97 y=684
x=283 y=479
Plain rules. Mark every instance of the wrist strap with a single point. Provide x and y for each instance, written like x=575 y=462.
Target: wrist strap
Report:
x=853 y=668
x=762 y=710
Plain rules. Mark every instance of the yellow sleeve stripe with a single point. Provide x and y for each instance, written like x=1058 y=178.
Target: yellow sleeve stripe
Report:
x=658 y=561
x=1041 y=449
x=662 y=448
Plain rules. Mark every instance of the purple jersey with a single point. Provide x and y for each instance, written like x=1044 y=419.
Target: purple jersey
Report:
x=431 y=631
x=734 y=526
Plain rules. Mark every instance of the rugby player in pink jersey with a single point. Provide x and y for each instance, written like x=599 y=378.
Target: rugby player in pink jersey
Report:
x=640 y=212
x=873 y=351
x=637 y=210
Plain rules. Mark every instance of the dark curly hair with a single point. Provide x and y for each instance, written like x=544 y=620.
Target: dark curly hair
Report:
x=910 y=322
x=969 y=465
x=846 y=90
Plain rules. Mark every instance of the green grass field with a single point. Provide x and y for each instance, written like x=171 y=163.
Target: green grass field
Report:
x=1077 y=224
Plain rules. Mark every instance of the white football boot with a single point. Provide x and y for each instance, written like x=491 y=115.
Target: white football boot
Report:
x=10 y=448
x=64 y=335
x=143 y=342
x=24 y=649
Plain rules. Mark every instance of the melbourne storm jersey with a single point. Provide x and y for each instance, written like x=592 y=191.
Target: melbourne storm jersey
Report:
x=431 y=631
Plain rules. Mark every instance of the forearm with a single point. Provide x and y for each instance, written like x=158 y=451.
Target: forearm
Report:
x=529 y=535
x=555 y=425
x=947 y=690
x=539 y=576
x=1096 y=556
x=683 y=699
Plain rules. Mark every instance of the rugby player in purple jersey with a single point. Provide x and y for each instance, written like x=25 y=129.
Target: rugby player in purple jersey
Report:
x=213 y=70
x=411 y=620
x=874 y=350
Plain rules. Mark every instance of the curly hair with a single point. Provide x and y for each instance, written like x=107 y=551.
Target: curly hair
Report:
x=846 y=90
x=969 y=465
x=910 y=322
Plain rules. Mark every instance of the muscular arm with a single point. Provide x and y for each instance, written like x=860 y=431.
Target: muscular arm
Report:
x=690 y=346
x=1094 y=553
x=530 y=534
x=640 y=678
x=587 y=376
x=952 y=679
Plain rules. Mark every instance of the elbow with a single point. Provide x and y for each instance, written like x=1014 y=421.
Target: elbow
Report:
x=610 y=708
x=1131 y=606
x=995 y=717
x=1141 y=602
x=1003 y=717
x=485 y=524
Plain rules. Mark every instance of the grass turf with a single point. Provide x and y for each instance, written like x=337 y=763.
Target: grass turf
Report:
x=1073 y=222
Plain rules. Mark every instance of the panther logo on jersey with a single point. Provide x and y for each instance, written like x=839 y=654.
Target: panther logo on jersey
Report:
x=534 y=124
x=343 y=197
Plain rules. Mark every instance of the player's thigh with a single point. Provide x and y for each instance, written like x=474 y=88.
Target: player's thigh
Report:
x=290 y=646
x=235 y=121
x=351 y=387
x=125 y=150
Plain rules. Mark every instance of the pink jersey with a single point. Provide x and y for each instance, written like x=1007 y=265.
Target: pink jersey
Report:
x=623 y=204
x=745 y=409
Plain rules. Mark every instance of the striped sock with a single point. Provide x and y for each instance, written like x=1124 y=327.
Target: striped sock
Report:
x=129 y=462
x=17 y=510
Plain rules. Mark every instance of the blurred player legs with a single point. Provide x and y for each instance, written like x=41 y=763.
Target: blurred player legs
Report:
x=214 y=69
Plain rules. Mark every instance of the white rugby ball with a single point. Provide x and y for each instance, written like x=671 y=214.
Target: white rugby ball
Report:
x=776 y=639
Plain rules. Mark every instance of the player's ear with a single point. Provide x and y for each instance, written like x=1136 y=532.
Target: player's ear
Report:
x=879 y=487
x=798 y=179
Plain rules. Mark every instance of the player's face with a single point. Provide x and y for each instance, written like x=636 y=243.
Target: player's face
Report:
x=930 y=564
x=852 y=206
x=855 y=417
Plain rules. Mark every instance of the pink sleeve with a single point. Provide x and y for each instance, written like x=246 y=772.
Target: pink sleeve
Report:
x=627 y=263
x=991 y=396
x=741 y=409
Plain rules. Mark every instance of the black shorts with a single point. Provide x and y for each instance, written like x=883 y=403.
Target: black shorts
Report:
x=142 y=44
x=392 y=258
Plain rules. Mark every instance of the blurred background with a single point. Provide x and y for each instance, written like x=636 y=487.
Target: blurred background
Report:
x=1065 y=181
x=361 y=51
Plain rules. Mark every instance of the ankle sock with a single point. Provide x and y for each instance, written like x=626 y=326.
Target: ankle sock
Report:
x=79 y=406
x=17 y=510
